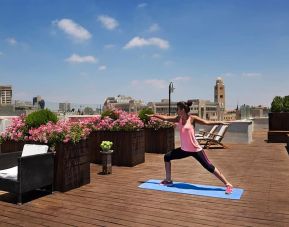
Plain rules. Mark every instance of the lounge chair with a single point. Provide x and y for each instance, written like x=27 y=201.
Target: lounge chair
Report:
x=204 y=134
x=216 y=139
x=26 y=170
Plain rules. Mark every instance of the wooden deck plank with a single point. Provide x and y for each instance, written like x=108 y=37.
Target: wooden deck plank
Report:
x=260 y=168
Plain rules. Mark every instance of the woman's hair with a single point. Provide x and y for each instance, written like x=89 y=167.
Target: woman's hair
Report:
x=185 y=105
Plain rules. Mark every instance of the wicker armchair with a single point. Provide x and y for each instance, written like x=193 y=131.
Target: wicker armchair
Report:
x=26 y=170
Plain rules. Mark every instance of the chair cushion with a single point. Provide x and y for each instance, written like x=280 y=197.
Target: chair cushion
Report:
x=32 y=149
x=10 y=173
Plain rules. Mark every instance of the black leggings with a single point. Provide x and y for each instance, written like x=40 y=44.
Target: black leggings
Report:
x=201 y=156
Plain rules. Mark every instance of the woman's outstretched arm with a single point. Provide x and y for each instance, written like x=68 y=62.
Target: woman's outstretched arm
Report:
x=165 y=117
x=206 y=122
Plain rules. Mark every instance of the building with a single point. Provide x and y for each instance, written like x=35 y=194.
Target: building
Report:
x=259 y=111
x=23 y=105
x=204 y=109
x=64 y=107
x=125 y=103
x=6 y=95
x=162 y=107
x=38 y=102
x=219 y=93
x=220 y=98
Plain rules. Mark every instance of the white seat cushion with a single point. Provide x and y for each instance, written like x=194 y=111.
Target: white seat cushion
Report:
x=32 y=149
x=10 y=173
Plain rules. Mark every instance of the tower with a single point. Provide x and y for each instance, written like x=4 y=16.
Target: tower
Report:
x=220 y=93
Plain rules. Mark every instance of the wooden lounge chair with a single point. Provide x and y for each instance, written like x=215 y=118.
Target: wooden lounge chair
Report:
x=216 y=139
x=204 y=134
x=26 y=170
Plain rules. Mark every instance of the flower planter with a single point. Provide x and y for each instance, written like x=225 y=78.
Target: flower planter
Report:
x=71 y=167
x=128 y=146
x=278 y=127
x=11 y=146
x=159 y=141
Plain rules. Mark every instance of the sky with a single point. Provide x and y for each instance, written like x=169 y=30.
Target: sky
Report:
x=84 y=51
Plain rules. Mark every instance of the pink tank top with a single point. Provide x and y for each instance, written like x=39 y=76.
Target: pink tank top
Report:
x=187 y=137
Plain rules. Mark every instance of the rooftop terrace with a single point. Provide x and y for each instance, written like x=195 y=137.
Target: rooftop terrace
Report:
x=260 y=168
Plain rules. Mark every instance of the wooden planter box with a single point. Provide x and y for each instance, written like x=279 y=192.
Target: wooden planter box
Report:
x=159 y=141
x=278 y=127
x=11 y=146
x=129 y=147
x=72 y=166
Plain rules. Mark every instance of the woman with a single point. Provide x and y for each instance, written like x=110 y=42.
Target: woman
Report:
x=189 y=143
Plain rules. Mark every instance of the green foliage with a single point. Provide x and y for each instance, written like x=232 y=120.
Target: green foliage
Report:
x=143 y=114
x=40 y=117
x=277 y=104
x=286 y=103
x=109 y=113
x=88 y=111
x=106 y=145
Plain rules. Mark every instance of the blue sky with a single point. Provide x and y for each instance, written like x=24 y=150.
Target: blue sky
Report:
x=84 y=51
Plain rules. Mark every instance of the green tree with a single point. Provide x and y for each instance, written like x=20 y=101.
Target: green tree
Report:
x=143 y=114
x=88 y=111
x=109 y=113
x=40 y=117
x=277 y=104
x=286 y=103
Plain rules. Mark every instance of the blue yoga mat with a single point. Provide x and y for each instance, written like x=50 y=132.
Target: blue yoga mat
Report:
x=193 y=189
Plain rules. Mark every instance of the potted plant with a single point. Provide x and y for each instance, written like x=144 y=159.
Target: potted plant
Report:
x=66 y=139
x=159 y=135
x=17 y=133
x=126 y=132
x=279 y=120
x=106 y=156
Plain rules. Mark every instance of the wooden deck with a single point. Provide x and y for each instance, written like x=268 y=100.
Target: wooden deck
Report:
x=261 y=169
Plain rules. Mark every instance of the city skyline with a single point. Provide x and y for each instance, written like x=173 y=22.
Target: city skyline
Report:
x=83 y=52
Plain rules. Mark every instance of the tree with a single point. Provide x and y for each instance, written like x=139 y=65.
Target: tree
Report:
x=143 y=114
x=277 y=104
x=88 y=111
x=286 y=104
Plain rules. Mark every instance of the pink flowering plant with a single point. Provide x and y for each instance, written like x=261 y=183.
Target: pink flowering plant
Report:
x=156 y=124
x=16 y=131
x=62 y=131
x=70 y=131
x=126 y=122
x=49 y=133
x=116 y=120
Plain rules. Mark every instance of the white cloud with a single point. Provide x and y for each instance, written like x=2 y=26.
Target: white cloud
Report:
x=73 y=29
x=156 y=83
x=154 y=27
x=102 y=68
x=251 y=75
x=1 y=53
x=182 y=78
x=12 y=41
x=75 y=58
x=140 y=42
x=108 y=22
x=141 y=5
x=228 y=75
